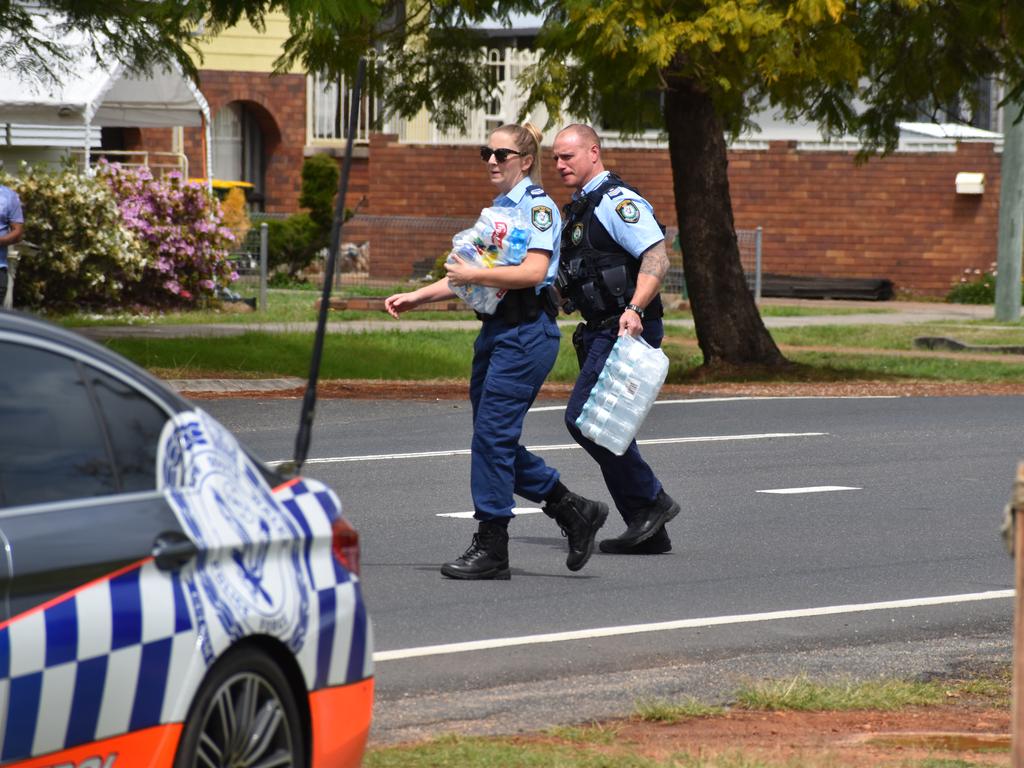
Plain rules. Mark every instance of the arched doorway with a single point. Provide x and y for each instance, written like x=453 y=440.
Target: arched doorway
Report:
x=242 y=134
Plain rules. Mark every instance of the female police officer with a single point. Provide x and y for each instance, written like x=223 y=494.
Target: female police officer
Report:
x=512 y=356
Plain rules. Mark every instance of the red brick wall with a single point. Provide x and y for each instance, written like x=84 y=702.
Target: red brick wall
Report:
x=897 y=217
x=279 y=103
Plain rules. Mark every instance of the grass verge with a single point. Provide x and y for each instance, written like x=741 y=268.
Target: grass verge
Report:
x=623 y=743
x=427 y=354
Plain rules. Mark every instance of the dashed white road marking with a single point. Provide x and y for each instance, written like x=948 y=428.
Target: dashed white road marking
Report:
x=555 y=447
x=516 y=512
x=664 y=626
x=813 y=489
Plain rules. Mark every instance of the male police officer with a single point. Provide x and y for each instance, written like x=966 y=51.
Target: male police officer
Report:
x=612 y=263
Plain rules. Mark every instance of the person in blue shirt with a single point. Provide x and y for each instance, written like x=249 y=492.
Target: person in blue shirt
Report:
x=613 y=261
x=513 y=354
x=12 y=229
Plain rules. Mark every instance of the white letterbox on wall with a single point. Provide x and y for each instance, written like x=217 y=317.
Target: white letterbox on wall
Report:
x=970 y=183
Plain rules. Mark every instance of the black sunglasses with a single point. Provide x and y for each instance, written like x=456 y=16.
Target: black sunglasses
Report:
x=500 y=154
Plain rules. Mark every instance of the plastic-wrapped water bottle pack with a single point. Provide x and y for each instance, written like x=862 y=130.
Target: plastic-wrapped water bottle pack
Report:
x=499 y=237
x=625 y=390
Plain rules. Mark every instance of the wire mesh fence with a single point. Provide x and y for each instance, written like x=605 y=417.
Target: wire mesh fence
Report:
x=749 y=242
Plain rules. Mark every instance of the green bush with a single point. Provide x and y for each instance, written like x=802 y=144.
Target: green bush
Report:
x=976 y=287
x=292 y=243
x=86 y=255
x=439 y=271
x=319 y=187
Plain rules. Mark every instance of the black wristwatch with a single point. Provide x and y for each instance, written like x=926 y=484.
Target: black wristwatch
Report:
x=636 y=309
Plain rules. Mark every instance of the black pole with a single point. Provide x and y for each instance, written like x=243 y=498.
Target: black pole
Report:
x=309 y=400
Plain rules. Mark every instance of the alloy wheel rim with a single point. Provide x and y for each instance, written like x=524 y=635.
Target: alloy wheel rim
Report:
x=245 y=727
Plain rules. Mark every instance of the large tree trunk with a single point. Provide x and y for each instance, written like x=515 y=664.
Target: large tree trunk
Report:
x=729 y=327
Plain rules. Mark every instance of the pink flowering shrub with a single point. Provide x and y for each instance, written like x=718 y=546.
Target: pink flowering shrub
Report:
x=181 y=230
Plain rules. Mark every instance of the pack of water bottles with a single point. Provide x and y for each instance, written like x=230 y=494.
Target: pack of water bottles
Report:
x=625 y=391
x=499 y=237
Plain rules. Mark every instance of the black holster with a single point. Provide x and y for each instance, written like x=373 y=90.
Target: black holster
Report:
x=578 y=345
x=524 y=305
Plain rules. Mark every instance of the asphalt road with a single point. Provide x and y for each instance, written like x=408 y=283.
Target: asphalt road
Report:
x=893 y=565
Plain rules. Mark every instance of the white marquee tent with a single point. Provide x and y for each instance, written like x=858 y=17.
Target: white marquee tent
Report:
x=92 y=93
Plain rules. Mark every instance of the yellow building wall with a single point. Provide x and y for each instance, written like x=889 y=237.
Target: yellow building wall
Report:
x=243 y=49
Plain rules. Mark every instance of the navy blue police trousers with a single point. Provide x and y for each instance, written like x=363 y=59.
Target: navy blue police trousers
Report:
x=510 y=362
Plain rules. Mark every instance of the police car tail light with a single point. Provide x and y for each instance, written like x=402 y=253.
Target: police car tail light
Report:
x=345 y=544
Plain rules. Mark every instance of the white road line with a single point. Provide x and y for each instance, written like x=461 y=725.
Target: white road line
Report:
x=556 y=447
x=700 y=400
x=516 y=512
x=813 y=489
x=663 y=626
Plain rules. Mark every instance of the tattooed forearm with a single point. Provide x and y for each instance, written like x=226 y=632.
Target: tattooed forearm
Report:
x=654 y=261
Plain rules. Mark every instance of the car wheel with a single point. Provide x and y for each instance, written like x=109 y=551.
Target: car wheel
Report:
x=245 y=714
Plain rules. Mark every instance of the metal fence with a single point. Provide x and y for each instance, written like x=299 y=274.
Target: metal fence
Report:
x=749 y=242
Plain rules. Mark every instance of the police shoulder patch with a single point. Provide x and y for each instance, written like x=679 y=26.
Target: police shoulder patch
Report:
x=541 y=217
x=628 y=211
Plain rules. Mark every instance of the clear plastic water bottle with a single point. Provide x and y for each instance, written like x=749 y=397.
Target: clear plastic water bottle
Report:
x=624 y=392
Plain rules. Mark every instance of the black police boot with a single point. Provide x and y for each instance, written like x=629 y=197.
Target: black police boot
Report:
x=579 y=519
x=648 y=520
x=486 y=558
x=658 y=544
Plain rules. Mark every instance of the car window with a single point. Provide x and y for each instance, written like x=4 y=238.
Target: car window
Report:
x=51 y=445
x=133 y=423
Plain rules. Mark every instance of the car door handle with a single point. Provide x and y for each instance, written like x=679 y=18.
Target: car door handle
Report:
x=172 y=550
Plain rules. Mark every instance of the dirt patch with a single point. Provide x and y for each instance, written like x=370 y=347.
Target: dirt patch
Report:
x=978 y=736
x=457 y=389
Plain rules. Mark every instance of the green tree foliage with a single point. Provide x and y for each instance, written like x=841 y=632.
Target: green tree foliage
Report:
x=143 y=33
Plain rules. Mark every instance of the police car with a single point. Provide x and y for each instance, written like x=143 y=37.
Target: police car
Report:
x=165 y=600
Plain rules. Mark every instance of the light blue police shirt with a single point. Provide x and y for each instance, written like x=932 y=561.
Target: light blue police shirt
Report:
x=545 y=222
x=628 y=218
x=10 y=210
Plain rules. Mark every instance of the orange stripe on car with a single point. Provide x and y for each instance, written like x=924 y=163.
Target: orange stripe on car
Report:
x=72 y=592
x=286 y=484
x=149 y=748
x=341 y=724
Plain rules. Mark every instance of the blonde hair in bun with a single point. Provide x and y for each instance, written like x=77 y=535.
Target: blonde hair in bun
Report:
x=527 y=138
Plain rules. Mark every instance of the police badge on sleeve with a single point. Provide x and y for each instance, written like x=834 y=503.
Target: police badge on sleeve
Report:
x=540 y=216
x=628 y=211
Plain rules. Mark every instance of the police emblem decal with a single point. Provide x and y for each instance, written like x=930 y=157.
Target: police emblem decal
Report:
x=577 y=234
x=541 y=217
x=628 y=211
x=251 y=570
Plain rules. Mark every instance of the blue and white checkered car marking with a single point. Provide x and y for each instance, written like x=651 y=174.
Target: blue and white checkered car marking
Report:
x=95 y=664
x=129 y=652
